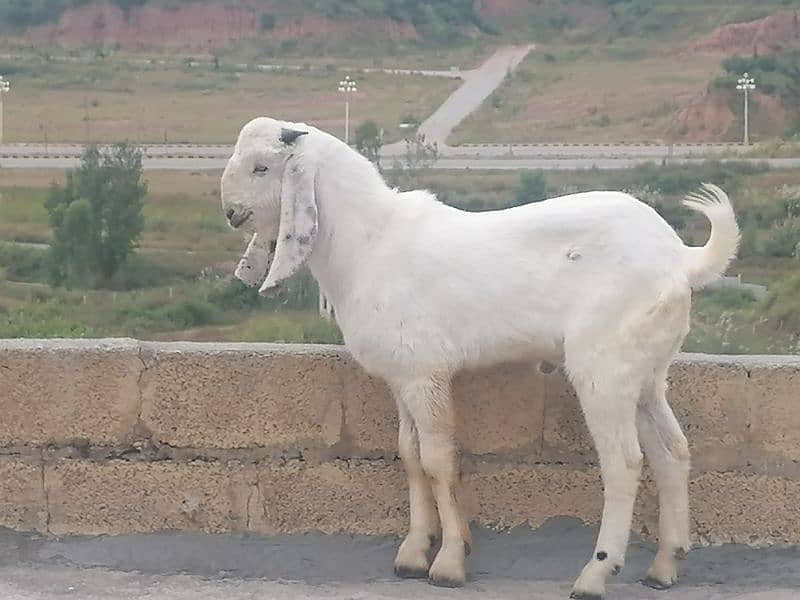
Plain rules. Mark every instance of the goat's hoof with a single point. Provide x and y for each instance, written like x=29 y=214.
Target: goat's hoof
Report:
x=585 y=596
x=410 y=572
x=657 y=584
x=446 y=582
x=447 y=570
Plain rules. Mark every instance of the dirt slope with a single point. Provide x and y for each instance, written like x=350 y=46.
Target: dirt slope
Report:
x=761 y=36
x=197 y=27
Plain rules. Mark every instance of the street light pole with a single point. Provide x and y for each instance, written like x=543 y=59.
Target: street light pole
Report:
x=347 y=86
x=746 y=84
x=4 y=88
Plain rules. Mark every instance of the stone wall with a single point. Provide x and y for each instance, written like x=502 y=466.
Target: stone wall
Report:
x=117 y=436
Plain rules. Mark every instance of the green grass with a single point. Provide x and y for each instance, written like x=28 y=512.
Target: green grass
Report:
x=287 y=326
x=725 y=324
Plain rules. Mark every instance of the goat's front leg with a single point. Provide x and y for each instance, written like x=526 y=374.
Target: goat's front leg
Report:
x=430 y=406
x=412 y=557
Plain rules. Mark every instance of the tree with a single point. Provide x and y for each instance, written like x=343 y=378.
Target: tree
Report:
x=368 y=141
x=267 y=21
x=96 y=217
x=532 y=188
x=417 y=159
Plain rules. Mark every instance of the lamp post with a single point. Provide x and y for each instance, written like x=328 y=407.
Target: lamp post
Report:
x=745 y=84
x=347 y=86
x=4 y=88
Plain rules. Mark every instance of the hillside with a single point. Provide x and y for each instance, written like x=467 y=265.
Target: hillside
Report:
x=198 y=24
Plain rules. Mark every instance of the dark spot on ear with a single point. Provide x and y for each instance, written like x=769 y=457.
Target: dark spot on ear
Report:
x=602 y=555
x=573 y=255
x=288 y=236
x=289 y=136
x=615 y=571
x=303 y=239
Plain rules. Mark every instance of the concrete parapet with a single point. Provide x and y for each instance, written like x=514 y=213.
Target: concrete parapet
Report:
x=115 y=436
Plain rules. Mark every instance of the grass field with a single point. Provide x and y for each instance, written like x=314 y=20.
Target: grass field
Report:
x=620 y=93
x=108 y=101
x=178 y=286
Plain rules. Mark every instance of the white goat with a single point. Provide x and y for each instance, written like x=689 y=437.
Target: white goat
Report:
x=597 y=281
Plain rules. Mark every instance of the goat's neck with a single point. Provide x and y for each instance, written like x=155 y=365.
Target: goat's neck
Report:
x=354 y=206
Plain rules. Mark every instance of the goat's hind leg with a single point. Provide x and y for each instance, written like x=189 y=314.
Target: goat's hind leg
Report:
x=609 y=406
x=412 y=557
x=667 y=452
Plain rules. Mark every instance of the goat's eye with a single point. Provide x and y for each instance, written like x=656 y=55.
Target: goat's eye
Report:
x=260 y=169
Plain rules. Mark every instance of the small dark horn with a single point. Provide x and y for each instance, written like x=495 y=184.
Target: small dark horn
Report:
x=288 y=136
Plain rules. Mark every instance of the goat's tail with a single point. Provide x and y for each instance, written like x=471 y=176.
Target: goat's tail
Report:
x=707 y=262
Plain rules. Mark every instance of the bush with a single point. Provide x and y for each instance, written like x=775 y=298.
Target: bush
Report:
x=23 y=263
x=783 y=302
x=731 y=298
x=299 y=292
x=235 y=295
x=783 y=239
x=267 y=21
x=678 y=180
x=189 y=313
x=532 y=188
x=141 y=316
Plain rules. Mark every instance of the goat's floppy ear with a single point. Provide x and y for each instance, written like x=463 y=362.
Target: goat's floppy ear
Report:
x=252 y=267
x=298 y=226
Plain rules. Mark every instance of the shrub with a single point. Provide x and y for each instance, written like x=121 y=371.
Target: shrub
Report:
x=783 y=302
x=23 y=263
x=532 y=188
x=731 y=298
x=267 y=21
x=783 y=239
x=189 y=313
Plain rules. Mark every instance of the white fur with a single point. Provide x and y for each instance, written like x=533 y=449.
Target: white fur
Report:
x=596 y=280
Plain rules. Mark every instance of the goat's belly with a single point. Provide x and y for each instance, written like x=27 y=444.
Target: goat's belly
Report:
x=395 y=357
x=505 y=350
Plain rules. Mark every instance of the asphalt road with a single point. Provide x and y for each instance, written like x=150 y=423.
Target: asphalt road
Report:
x=514 y=565
x=478 y=85
x=205 y=164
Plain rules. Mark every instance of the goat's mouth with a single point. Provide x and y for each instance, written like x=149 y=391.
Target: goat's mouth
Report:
x=237 y=221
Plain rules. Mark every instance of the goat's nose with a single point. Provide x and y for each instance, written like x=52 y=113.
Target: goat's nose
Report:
x=230 y=212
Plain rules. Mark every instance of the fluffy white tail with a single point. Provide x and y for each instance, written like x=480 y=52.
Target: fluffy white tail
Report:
x=709 y=261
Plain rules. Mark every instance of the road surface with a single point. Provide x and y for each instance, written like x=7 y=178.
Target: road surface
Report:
x=548 y=151
x=478 y=85
x=206 y=164
x=520 y=564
